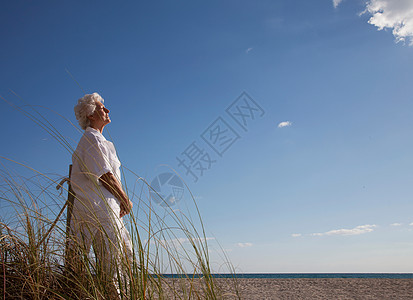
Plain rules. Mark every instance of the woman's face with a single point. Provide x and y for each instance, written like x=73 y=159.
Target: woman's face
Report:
x=100 y=116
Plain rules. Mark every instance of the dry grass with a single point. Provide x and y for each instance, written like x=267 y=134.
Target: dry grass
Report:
x=33 y=256
x=33 y=243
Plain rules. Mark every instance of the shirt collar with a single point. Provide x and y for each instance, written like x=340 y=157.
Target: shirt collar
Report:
x=91 y=129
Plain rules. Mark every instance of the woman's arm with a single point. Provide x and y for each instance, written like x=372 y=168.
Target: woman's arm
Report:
x=113 y=185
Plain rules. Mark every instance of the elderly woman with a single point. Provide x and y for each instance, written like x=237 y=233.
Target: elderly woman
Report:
x=100 y=200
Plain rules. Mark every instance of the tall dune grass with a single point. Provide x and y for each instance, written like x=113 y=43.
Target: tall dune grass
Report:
x=34 y=259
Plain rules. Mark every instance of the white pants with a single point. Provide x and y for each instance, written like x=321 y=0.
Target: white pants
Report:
x=100 y=225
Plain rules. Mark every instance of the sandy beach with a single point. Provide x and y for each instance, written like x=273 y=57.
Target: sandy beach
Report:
x=306 y=288
x=331 y=288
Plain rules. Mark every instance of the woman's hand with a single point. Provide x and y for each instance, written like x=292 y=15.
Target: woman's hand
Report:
x=110 y=182
x=125 y=209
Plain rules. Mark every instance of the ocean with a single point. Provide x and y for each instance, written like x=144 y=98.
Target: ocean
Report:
x=303 y=275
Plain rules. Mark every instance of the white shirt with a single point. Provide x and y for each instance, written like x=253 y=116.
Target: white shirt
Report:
x=94 y=156
x=95 y=209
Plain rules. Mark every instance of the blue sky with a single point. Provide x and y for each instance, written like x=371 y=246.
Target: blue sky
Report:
x=330 y=192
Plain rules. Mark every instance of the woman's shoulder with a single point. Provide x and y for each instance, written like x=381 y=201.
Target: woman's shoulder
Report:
x=91 y=137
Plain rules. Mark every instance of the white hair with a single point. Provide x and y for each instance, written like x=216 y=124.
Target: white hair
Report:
x=85 y=107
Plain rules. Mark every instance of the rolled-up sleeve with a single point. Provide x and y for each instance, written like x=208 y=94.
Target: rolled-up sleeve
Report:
x=96 y=161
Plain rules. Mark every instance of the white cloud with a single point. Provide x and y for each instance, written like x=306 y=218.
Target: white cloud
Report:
x=396 y=224
x=202 y=239
x=248 y=50
x=244 y=245
x=411 y=224
x=354 y=231
x=296 y=235
x=336 y=3
x=396 y=15
x=284 y=124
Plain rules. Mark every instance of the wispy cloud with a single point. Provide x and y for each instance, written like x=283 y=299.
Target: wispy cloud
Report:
x=248 y=50
x=244 y=245
x=285 y=124
x=201 y=239
x=394 y=15
x=296 y=235
x=354 y=231
x=336 y=3
x=396 y=224
x=411 y=224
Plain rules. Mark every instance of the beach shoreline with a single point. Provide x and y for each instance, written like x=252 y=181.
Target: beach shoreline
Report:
x=298 y=288
x=320 y=288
